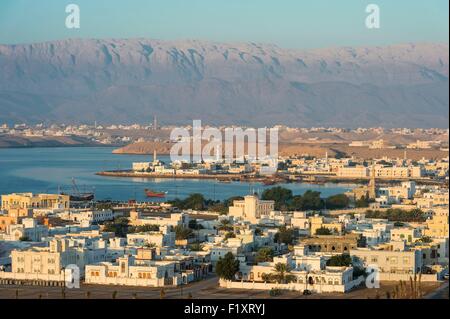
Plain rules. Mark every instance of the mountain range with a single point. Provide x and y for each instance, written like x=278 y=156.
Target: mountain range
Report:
x=132 y=80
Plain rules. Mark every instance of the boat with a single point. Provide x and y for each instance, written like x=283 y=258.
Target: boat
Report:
x=269 y=182
x=82 y=197
x=150 y=193
x=77 y=196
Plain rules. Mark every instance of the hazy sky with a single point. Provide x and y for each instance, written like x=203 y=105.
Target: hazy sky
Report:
x=287 y=23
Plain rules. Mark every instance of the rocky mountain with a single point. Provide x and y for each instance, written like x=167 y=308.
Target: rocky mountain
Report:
x=132 y=80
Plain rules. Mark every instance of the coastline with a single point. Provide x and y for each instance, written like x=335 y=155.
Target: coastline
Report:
x=310 y=179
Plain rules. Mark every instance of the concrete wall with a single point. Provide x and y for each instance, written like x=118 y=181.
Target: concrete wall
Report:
x=405 y=277
x=318 y=288
x=125 y=281
x=31 y=276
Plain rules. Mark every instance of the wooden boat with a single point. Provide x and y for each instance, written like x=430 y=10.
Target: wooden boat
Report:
x=149 y=193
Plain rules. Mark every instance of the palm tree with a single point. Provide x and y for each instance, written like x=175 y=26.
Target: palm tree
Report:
x=225 y=225
x=282 y=275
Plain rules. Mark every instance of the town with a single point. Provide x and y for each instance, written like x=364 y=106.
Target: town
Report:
x=386 y=238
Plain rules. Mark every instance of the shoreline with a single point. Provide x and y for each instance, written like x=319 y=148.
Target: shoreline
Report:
x=227 y=178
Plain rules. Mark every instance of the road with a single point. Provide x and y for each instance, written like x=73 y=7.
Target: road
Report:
x=205 y=289
x=440 y=293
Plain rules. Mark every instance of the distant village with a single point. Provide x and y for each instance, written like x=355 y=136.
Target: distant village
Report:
x=396 y=221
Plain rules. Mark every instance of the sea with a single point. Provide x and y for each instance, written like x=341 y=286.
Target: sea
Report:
x=52 y=170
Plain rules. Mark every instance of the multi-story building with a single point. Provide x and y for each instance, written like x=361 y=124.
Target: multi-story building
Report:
x=251 y=208
x=49 y=263
x=390 y=261
x=127 y=271
x=28 y=200
x=437 y=226
x=156 y=238
x=14 y=216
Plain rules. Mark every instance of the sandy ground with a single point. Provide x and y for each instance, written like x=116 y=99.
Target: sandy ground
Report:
x=207 y=289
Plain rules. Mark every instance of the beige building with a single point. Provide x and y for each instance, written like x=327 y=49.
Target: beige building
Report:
x=318 y=222
x=14 y=216
x=28 y=200
x=251 y=208
x=437 y=226
x=332 y=244
x=157 y=238
x=353 y=172
x=407 y=234
x=390 y=261
x=173 y=220
x=49 y=264
x=127 y=271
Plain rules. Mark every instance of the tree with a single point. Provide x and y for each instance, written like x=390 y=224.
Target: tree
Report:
x=323 y=231
x=182 y=233
x=145 y=228
x=24 y=238
x=309 y=201
x=194 y=225
x=398 y=215
x=120 y=227
x=425 y=239
x=195 y=201
x=340 y=260
x=225 y=225
x=281 y=196
x=284 y=235
x=258 y=232
x=227 y=267
x=363 y=202
x=296 y=203
x=312 y=201
x=196 y=247
x=281 y=274
x=339 y=201
x=264 y=254
x=230 y=235
x=220 y=208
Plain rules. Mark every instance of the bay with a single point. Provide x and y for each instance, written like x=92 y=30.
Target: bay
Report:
x=45 y=170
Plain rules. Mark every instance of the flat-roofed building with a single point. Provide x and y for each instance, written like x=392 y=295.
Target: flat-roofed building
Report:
x=29 y=200
x=251 y=208
x=127 y=271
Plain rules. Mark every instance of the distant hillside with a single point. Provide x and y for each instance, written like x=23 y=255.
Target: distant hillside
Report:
x=249 y=84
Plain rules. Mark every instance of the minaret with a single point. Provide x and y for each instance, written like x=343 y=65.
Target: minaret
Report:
x=155 y=123
x=372 y=184
x=154 y=156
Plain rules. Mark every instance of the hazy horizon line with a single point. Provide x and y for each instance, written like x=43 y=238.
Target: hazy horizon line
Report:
x=307 y=48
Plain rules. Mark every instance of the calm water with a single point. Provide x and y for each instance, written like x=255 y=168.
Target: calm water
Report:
x=41 y=170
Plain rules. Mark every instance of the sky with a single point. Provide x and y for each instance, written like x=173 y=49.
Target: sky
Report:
x=286 y=23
